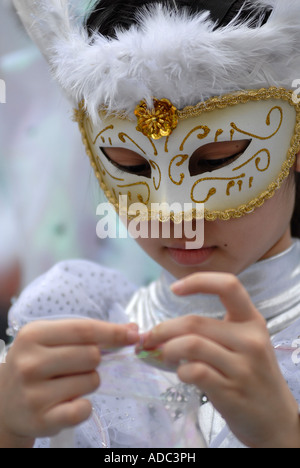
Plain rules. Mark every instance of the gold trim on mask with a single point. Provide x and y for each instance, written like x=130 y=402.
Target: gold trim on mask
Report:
x=222 y=102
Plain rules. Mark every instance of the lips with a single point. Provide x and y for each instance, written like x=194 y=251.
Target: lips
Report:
x=182 y=256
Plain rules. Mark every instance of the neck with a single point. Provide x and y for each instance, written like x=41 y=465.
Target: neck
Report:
x=283 y=244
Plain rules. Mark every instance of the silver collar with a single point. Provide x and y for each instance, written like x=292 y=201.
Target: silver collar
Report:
x=273 y=285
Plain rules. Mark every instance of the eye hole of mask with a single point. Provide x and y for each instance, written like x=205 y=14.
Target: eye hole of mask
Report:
x=207 y=158
x=213 y=156
x=128 y=161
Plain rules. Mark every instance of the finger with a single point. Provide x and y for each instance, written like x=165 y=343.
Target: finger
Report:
x=68 y=414
x=231 y=292
x=204 y=377
x=83 y=331
x=69 y=360
x=223 y=333
x=192 y=348
x=57 y=391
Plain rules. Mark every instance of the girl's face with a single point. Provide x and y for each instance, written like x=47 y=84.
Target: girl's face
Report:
x=229 y=246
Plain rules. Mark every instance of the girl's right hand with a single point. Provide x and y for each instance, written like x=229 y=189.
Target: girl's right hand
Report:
x=48 y=370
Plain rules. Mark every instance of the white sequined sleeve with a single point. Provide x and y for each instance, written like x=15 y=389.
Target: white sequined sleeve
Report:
x=73 y=289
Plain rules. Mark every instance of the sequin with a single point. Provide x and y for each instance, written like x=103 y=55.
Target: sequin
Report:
x=157 y=122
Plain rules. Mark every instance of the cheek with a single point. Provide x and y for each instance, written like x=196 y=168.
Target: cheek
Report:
x=277 y=212
x=262 y=227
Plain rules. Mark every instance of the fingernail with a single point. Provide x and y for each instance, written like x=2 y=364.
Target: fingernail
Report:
x=132 y=326
x=143 y=340
x=133 y=336
x=178 y=287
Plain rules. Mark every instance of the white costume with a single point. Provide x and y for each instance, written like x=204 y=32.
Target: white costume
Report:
x=82 y=289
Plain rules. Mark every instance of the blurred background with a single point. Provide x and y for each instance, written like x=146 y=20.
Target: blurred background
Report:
x=48 y=191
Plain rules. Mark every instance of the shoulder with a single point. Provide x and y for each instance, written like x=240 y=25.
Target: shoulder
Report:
x=75 y=288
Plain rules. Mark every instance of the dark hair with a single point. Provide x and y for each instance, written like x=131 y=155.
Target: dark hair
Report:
x=296 y=216
x=107 y=15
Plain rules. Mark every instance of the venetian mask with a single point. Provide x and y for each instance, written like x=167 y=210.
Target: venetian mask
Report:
x=170 y=141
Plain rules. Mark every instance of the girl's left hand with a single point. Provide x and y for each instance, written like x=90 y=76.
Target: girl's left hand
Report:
x=233 y=362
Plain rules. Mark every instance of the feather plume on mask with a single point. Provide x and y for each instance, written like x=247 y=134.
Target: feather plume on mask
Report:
x=169 y=54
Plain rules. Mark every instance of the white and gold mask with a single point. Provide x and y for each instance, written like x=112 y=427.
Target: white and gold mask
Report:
x=168 y=139
x=155 y=57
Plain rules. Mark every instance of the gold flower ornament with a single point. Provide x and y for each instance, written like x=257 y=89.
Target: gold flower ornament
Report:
x=159 y=121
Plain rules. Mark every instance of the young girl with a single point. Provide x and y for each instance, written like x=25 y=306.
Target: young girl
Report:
x=238 y=155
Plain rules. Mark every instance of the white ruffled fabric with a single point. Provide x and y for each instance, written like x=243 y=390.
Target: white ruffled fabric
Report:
x=73 y=289
x=124 y=415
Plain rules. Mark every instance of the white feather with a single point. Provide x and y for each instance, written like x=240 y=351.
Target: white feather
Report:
x=45 y=21
x=169 y=55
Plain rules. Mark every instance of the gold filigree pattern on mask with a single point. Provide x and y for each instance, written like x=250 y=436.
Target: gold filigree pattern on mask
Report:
x=122 y=137
x=257 y=161
x=201 y=136
x=229 y=186
x=268 y=122
x=105 y=171
x=153 y=146
x=110 y=127
x=203 y=179
x=140 y=197
x=184 y=157
x=157 y=122
x=218 y=133
x=166 y=144
x=155 y=166
x=211 y=192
